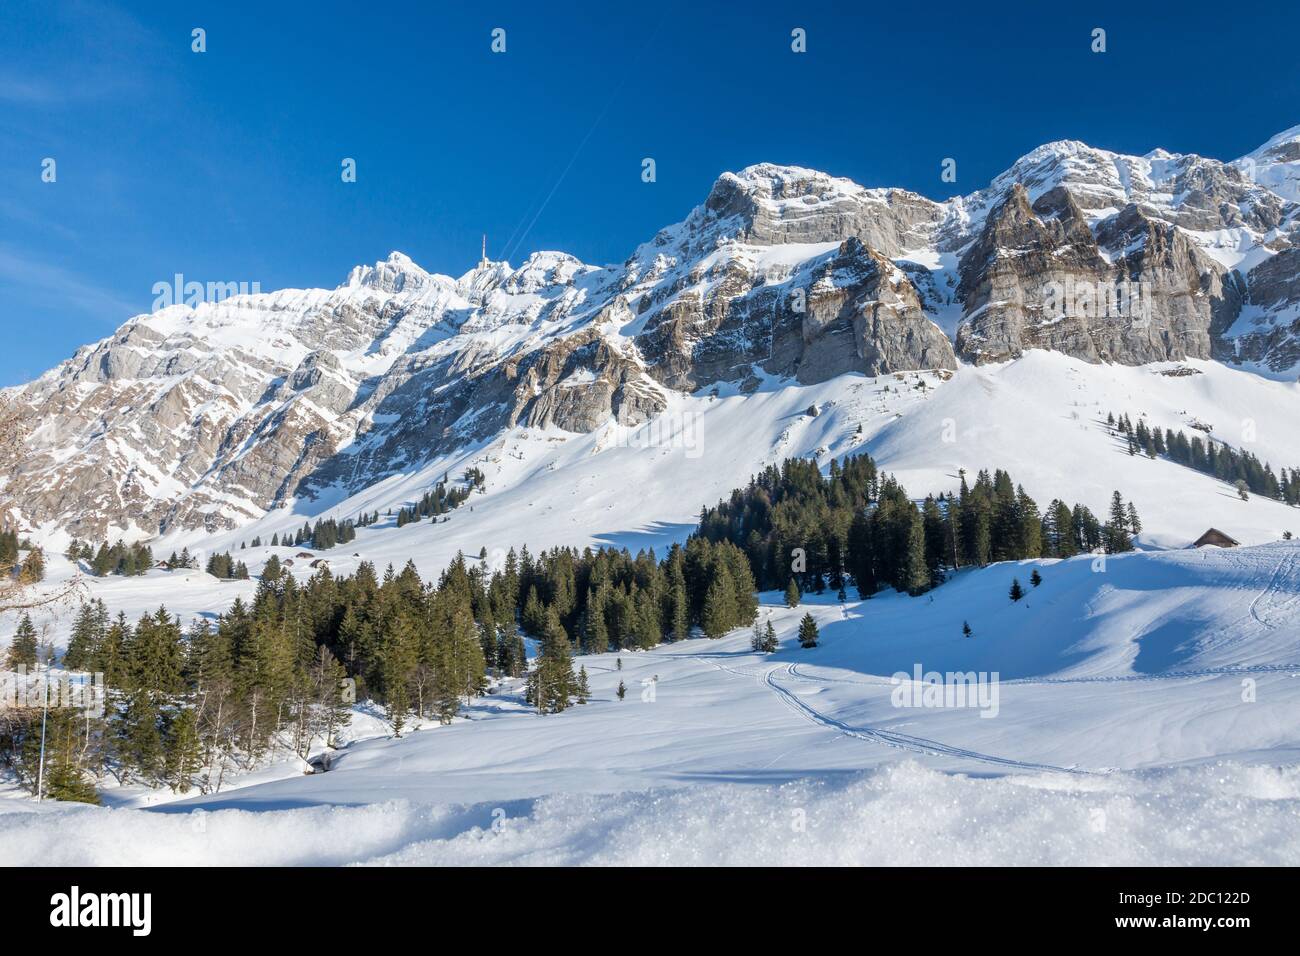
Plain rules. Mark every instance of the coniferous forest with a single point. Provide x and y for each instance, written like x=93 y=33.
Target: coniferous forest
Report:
x=1235 y=466
x=858 y=526
x=189 y=704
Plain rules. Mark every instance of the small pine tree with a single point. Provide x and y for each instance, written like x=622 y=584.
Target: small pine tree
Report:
x=65 y=756
x=1017 y=592
x=33 y=567
x=622 y=690
x=807 y=631
x=792 y=594
x=1134 y=522
x=1035 y=579
x=965 y=629
x=22 y=649
x=584 y=688
x=770 y=643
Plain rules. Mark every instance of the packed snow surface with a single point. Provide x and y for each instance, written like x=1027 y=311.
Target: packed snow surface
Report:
x=1144 y=710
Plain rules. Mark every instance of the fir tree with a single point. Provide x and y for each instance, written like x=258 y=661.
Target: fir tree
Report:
x=1016 y=592
x=69 y=742
x=22 y=648
x=584 y=688
x=622 y=690
x=965 y=629
x=33 y=567
x=916 y=575
x=807 y=631
x=87 y=634
x=552 y=685
x=182 y=760
x=792 y=594
x=1117 y=532
x=719 y=614
x=1134 y=522
x=1035 y=578
x=140 y=745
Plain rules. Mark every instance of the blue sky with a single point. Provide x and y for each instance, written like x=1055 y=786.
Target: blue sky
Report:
x=225 y=165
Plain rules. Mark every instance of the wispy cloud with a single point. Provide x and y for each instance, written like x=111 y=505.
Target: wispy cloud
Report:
x=56 y=285
x=28 y=92
x=93 y=51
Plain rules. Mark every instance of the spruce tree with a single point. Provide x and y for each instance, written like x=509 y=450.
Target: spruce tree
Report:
x=1017 y=592
x=916 y=575
x=33 y=567
x=1117 y=535
x=807 y=631
x=770 y=643
x=622 y=690
x=584 y=688
x=792 y=594
x=719 y=615
x=680 y=617
x=140 y=745
x=69 y=742
x=553 y=681
x=87 y=634
x=965 y=629
x=22 y=649
x=1035 y=579
x=182 y=760
x=1134 y=522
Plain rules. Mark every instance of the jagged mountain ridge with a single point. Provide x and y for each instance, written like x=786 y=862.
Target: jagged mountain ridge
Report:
x=208 y=417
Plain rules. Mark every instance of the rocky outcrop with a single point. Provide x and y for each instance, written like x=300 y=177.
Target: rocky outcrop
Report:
x=1268 y=331
x=209 y=416
x=775 y=205
x=1132 y=289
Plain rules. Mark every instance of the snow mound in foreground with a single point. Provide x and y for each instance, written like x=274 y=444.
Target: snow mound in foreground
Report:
x=901 y=815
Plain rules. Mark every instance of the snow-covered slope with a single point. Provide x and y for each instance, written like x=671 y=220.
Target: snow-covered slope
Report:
x=1041 y=417
x=1276 y=164
x=1121 y=704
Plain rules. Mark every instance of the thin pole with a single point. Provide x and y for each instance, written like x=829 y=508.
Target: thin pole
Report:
x=45 y=709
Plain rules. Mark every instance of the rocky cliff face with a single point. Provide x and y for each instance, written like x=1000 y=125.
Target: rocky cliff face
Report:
x=209 y=416
x=1183 y=234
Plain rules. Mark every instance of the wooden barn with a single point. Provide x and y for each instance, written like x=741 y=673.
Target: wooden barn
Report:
x=1217 y=538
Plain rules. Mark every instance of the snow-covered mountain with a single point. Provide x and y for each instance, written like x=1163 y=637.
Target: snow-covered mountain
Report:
x=213 y=416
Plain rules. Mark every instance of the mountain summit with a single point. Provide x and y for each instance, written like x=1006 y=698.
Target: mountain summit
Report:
x=211 y=415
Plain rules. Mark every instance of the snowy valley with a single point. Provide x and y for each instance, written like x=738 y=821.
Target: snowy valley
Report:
x=1135 y=704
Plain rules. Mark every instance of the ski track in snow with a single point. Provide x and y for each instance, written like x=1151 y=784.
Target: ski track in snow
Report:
x=921 y=745
x=798 y=674
x=1285 y=568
